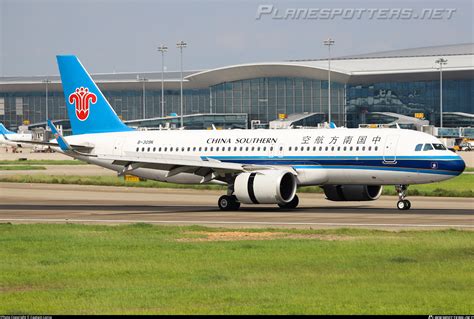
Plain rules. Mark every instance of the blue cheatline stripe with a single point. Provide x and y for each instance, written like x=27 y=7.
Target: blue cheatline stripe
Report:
x=393 y=169
x=308 y=157
x=426 y=165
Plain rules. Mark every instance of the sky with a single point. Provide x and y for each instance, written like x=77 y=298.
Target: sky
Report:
x=122 y=36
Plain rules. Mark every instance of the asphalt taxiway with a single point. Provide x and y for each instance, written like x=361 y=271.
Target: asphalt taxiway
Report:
x=48 y=203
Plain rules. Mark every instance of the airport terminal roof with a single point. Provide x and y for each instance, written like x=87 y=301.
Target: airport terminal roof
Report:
x=417 y=64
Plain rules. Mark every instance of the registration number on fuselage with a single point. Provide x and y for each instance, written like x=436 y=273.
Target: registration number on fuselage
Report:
x=145 y=142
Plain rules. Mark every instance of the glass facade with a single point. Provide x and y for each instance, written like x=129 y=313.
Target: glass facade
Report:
x=263 y=99
x=17 y=107
x=408 y=98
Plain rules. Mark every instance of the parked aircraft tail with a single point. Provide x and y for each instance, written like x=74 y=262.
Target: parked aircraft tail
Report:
x=3 y=130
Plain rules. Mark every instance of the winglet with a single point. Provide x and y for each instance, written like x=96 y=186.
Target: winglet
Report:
x=63 y=144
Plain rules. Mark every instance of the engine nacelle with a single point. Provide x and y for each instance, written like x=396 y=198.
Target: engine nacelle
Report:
x=352 y=192
x=265 y=187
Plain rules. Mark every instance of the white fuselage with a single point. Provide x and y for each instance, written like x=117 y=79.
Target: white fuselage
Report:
x=16 y=137
x=319 y=156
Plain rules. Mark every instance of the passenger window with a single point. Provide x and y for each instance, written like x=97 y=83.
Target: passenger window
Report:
x=138 y=149
x=159 y=149
x=376 y=148
x=370 y=148
x=345 y=148
x=428 y=147
x=217 y=149
x=363 y=148
x=327 y=148
x=189 y=149
x=357 y=148
x=143 y=149
x=338 y=148
x=332 y=148
x=235 y=148
x=205 y=149
x=289 y=148
x=351 y=148
x=154 y=149
x=281 y=148
x=166 y=149
x=200 y=148
x=229 y=148
x=182 y=149
x=320 y=148
x=246 y=148
x=418 y=147
x=258 y=148
x=194 y=149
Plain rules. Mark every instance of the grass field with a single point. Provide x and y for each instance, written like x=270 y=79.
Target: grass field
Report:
x=460 y=186
x=21 y=167
x=144 y=269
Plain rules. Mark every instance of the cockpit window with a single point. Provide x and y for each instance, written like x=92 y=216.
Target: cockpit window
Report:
x=427 y=147
x=418 y=147
x=439 y=147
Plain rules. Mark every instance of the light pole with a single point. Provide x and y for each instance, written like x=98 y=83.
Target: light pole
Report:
x=46 y=82
x=143 y=80
x=441 y=62
x=162 y=48
x=180 y=46
x=329 y=42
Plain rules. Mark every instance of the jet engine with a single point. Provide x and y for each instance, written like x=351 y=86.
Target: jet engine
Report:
x=352 y=192
x=265 y=187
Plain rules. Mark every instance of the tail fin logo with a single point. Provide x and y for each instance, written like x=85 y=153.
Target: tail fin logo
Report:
x=81 y=99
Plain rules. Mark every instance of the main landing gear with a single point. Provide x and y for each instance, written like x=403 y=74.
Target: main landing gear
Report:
x=292 y=204
x=402 y=204
x=228 y=202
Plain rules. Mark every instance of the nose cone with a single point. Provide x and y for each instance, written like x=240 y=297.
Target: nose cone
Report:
x=458 y=165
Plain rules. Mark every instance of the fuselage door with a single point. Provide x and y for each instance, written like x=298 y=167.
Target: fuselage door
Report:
x=390 y=149
x=118 y=146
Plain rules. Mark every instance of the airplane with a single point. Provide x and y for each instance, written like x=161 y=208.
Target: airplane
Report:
x=259 y=166
x=14 y=137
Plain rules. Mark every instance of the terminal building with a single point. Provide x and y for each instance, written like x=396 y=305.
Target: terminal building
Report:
x=383 y=87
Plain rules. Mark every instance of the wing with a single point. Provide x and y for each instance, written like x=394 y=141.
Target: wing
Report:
x=82 y=148
x=60 y=142
x=208 y=168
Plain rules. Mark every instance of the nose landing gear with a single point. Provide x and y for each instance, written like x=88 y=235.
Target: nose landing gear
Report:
x=402 y=204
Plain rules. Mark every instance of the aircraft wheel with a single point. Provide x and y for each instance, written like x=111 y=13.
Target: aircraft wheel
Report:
x=292 y=204
x=407 y=204
x=228 y=203
x=403 y=204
